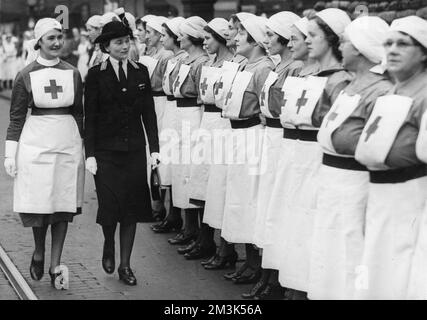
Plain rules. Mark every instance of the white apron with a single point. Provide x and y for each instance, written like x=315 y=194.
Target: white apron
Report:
x=242 y=185
x=393 y=218
x=187 y=122
x=150 y=63
x=380 y=131
x=270 y=154
x=203 y=150
x=275 y=220
x=169 y=138
x=394 y=209
x=417 y=289
x=223 y=86
x=50 y=153
x=244 y=173
x=421 y=146
x=217 y=180
x=293 y=250
x=159 y=102
x=340 y=218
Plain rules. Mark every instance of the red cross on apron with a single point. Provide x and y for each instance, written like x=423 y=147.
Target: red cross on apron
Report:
x=302 y=101
x=53 y=89
x=372 y=128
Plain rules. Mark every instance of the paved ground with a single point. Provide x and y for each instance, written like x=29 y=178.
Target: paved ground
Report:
x=161 y=272
x=6 y=290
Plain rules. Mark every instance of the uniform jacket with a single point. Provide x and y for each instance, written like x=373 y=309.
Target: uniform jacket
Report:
x=113 y=117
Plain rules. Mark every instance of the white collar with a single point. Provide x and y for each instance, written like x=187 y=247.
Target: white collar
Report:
x=116 y=62
x=47 y=63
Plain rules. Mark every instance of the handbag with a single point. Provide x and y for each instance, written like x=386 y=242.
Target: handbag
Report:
x=155 y=184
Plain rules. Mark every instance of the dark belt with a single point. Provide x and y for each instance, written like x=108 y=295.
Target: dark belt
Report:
x=212 y=108
x=398 y=175
x=243 y=124
x=159 y=94
x=50 y=111
x=186 y=102
x=171 y=98
x=342 y=163
x=298 y=134
x=273 y=123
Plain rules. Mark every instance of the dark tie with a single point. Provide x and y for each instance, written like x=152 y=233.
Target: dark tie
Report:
x=122 y=76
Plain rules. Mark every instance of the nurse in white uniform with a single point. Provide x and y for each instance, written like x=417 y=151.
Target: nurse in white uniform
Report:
x=398 y=178
x=339 y=224
x=44 y=152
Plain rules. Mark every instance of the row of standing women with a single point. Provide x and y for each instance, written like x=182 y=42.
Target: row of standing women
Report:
x=326 y=114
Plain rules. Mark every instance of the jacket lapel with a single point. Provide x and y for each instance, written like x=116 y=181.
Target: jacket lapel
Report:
x=110 y=79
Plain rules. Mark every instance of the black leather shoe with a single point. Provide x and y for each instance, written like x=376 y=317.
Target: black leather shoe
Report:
x=126 y=275
x=220 y=263
x=182 y=239
x=271 y=292
x=199 y=252
x=36 y=269
x=187 y=248
x=209 y=260
x=256 y=290
x=108 y=259
x=248 y=277
x=237 y=272
x=168 y=226
x=157 y=225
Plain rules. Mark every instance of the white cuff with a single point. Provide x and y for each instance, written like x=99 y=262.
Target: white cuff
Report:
x=10 y=149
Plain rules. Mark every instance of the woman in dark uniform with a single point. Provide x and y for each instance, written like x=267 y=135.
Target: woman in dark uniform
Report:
x=118 y=94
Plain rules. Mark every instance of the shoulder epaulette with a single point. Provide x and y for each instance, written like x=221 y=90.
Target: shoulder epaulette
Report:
x=104 y=65
x=133 y=63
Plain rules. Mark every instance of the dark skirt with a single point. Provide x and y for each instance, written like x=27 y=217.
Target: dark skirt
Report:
x=122 y=188
x=30 y=220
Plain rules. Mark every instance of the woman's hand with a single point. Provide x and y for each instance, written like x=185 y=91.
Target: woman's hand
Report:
x=91 y=165
x=155 y=160
x=10 y=166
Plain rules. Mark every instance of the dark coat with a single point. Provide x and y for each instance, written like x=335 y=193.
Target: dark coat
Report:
x=112 y=117
x=114 y=135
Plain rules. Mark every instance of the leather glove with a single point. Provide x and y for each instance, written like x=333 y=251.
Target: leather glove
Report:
x=10 y=166
x=155 y=160
x=11 y=148
x=91 y=165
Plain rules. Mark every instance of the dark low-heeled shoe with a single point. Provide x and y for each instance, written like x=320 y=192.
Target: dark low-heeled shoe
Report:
x=256 y=290
x=108 y=260
x=248 y=277
x=237 y=272
x=271 y=292
x=209 y=260
x=168 y=226
x=157 y=225
x=126 y=275
x=200 y=252
x=220 y=263
x=187 y=248
x=182 y=239
x=36 y=269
